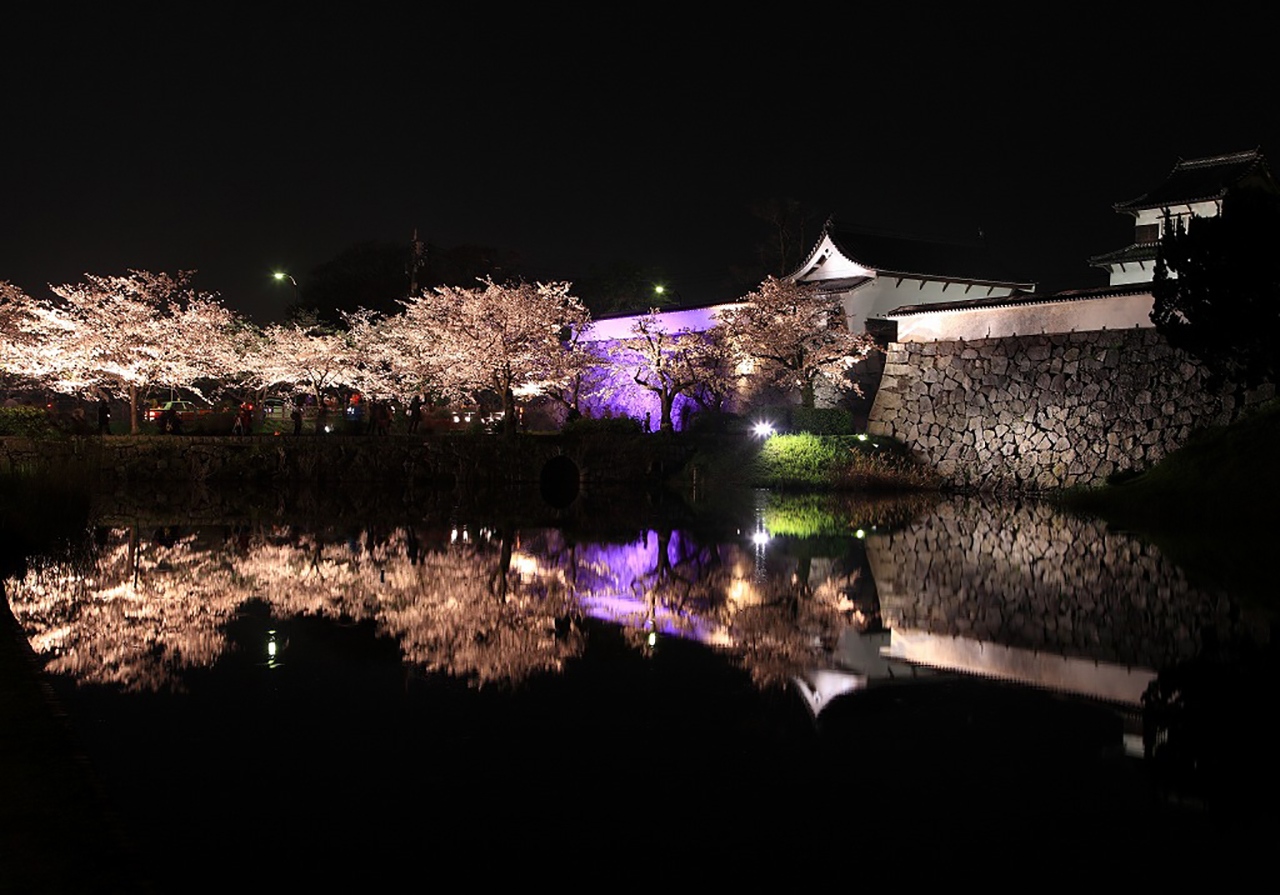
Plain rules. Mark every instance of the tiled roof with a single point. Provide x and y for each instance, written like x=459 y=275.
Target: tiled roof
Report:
x=1024 y=298
x=935 y=259
x=1199 y=180
x=1145 y=251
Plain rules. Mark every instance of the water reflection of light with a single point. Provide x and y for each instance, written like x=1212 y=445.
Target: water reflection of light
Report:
x=819 y=686
x=525 y=565
x=1086 y=677
x=272 y=650
x=743 y=593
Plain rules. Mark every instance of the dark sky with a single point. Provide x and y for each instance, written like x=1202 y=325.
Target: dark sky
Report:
x=236 y=143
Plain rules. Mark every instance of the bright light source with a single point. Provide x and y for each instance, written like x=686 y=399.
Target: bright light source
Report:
x=653 y=638
x=764 y=429
x=271 y=648
x=862 y=437
x=760 y=538
x=328 y=428
x=659 y=290
x=279 y=276
x=860 y=533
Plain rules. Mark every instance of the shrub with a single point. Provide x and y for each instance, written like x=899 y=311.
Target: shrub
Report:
x=838 y=461
x=618 y=425
x=822 y=420
x=713 y=422
x=29 y=422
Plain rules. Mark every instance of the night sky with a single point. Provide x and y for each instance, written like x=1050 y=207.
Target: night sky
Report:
x=236 y=144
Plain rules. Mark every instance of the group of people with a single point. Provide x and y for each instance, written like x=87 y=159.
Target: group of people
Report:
x=379 y=418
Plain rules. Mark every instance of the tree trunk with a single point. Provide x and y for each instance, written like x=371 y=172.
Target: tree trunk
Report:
x=133 y=408
x=806 y=393
x=667 y=401
x=508 y=412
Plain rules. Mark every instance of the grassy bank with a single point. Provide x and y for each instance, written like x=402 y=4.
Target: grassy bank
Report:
x=1210 y=506
x=809 y=462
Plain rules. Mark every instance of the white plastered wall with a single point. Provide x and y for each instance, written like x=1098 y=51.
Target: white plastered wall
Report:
x=1082 y=315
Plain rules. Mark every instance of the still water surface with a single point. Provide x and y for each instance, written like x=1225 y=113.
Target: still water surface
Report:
x=394 y=682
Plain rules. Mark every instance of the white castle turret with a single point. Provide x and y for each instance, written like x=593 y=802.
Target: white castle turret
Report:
x=1194 y=188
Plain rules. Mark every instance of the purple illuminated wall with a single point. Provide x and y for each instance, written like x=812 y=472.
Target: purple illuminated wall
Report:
x=626 y=398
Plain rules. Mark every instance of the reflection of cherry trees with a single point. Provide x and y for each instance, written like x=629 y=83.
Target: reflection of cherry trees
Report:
x=146 y=611
x=775 y=625
x=493 y=607
x=134 y=616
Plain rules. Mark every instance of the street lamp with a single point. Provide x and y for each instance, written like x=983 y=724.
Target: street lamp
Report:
x=280 y=276
x=661 y=289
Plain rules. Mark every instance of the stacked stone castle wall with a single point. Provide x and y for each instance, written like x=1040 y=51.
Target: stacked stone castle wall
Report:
x=1047 y=411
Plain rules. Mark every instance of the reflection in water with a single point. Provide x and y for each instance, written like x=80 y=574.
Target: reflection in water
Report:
x=1007 y=590
x=148 y=609
x=1025 y=575
x=1085 y=677
x=488 y=605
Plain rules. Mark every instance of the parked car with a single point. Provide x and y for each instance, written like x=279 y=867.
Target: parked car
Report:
x=464 y=417
x=187 y=412
x=276 y=409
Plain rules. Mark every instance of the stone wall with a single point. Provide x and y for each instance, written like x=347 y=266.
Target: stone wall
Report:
x=461 y=458
x=1023 y=574
x=1048 y=411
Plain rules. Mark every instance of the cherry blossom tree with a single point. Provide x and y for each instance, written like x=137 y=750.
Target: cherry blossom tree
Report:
x=375 y=365
x=668 y=363
x=581 y=372
x=305 y=354
x=125 y=335
x=21 y=349
x=504 y=339
x=793 y=333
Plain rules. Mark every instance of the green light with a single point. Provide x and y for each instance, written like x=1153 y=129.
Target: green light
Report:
x=660 y=289
x=862 y=437
x=279 y=276
x=860 y=533
x=653 y=638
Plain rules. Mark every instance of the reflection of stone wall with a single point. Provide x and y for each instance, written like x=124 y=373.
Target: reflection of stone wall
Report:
x=1035 y=412
x=1027 y=575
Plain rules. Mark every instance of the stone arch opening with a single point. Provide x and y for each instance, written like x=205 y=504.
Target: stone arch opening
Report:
x=560 y=481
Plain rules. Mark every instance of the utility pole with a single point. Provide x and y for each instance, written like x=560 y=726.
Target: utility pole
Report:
x=417 y=260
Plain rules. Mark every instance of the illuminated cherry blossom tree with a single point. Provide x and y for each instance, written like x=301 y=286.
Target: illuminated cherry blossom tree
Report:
x=793 y=334
x=504 y=339
x=669 y=363
x=21 y=351
x=305 y=354
x=125 y=335
x=375 y=367
x=581 y=372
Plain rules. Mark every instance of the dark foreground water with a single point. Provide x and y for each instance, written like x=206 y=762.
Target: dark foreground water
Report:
x=324 y=693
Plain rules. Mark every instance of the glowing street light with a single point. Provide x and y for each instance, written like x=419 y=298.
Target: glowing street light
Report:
x=280 y=276
x=763 y=429
x=660 y=290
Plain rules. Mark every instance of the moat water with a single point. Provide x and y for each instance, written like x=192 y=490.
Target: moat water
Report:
x=370 y=685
